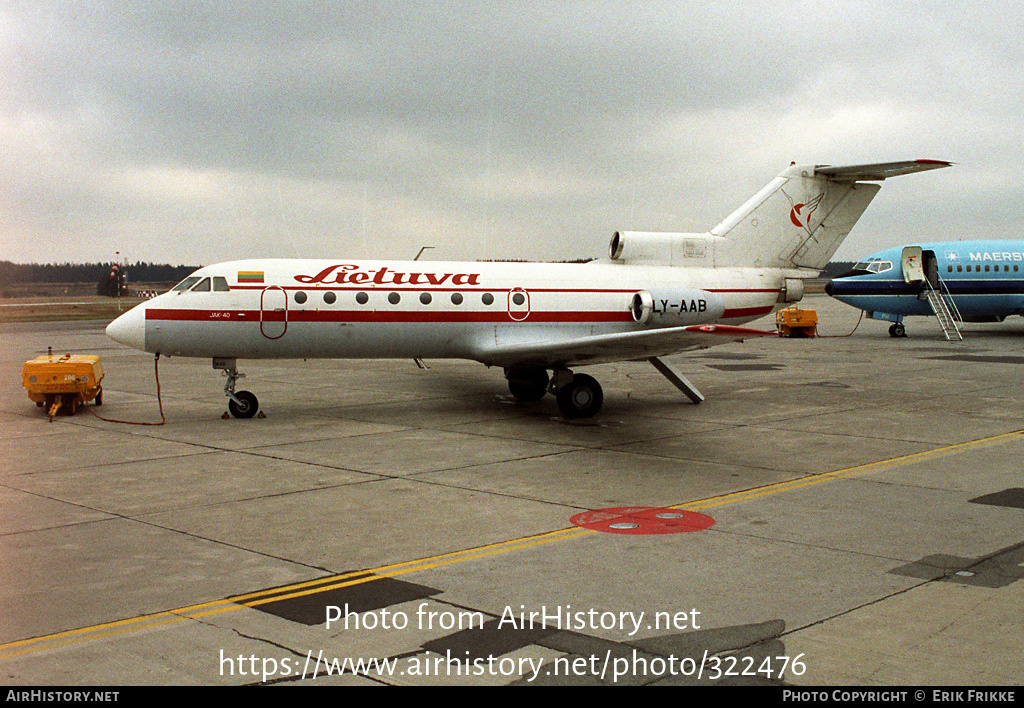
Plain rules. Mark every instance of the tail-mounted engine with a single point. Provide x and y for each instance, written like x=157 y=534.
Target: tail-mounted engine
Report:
x=676 y=306
x=664 y=248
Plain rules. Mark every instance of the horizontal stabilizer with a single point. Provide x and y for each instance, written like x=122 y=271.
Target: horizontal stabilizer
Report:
x=605 y=348
x=802 y=216
x=879 y=171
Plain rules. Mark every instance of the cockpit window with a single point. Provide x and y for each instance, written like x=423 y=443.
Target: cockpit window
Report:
x=186 y=283
x=203 y=286
x=874 y=265
x=220 y=285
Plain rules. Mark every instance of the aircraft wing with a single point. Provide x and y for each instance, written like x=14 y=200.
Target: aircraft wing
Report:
x=605 y=348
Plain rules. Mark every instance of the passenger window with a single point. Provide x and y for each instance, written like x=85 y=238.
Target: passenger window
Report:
x=300 y=297
x=986 y=269
x=456 y=298
x=425 y=298
x=959 y=269
x=362 y=298
x=487 y=299
x=203 y=286
x=394 y=298
x=518 y=299
x=330 y=297
x=949 y=269
x=220 y=285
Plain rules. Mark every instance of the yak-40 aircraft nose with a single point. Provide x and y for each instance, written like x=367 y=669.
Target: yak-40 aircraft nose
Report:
x=130 y=328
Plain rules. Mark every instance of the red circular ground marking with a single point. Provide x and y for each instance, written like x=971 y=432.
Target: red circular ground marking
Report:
x=642 y=520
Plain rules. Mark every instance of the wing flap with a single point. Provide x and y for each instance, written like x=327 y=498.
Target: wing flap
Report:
x=604 y=348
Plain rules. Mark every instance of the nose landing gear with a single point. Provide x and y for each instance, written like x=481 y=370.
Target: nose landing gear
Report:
x=242 y=404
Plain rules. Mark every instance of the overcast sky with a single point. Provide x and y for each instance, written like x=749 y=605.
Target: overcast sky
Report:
x=195 y=132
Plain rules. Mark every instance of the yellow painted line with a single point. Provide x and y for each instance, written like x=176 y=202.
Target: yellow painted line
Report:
x=253 y=599
x=810 y=480
x=349 y=579
x=389 y=571
x=440 y=561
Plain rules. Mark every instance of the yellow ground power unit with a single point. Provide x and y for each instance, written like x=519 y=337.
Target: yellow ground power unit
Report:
x=63 y=382
x=794 y=322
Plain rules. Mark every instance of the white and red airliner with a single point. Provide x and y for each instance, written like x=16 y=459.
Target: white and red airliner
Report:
x=655 y=294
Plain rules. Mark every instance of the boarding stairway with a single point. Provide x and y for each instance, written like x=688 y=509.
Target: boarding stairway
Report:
x=945 y=310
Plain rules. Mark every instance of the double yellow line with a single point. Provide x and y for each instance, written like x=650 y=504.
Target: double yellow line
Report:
x=343 y=580
x=262 y=597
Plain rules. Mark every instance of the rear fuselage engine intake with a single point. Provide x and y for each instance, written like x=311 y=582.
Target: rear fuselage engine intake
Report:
x=676 y=307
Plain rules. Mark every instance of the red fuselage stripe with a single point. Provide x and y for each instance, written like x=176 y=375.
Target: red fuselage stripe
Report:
x=747 y=312
x=408 y=316
x=379 y=316
x=364 y=288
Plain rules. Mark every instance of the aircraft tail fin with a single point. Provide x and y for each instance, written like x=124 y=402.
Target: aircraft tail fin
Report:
x=802 y=216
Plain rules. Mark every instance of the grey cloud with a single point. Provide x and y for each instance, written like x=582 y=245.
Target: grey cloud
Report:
x=546 y=125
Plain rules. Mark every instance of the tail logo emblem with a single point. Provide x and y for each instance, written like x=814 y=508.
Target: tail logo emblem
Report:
x=795 y=216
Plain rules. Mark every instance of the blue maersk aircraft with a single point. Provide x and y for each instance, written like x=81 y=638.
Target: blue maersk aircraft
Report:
x=956 y=281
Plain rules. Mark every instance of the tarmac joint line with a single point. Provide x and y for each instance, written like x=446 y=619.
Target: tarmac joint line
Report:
x=319 y=585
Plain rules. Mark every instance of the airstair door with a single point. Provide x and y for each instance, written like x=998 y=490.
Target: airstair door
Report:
x=913 y=264
x=931 y=267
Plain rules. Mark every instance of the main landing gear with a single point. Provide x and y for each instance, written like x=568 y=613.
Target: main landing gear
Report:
x=897 y=330
x=242 y=404
x=579 y=395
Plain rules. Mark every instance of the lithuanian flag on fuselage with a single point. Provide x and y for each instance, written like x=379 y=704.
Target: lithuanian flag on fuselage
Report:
x=250 y=276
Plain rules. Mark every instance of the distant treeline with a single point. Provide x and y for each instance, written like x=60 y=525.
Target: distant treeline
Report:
x=140 y=272
x=830 y=271
x=524 y=260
